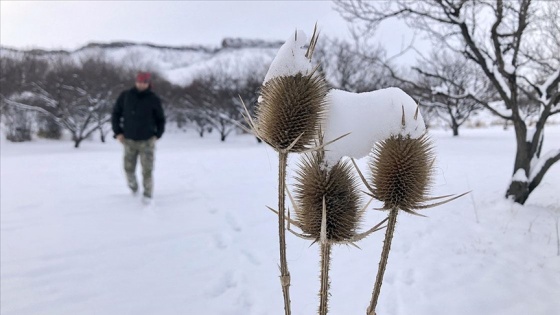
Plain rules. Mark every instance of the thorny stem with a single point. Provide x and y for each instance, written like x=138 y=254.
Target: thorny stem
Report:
x=383 y=262
x=325 y=282
x=284 y=273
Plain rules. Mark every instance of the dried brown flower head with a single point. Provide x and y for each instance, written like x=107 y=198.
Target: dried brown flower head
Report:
x=402 y=172
x=291 y=107
x=338 y=187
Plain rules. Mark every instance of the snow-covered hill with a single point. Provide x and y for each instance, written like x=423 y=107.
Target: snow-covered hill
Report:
x=177 y=64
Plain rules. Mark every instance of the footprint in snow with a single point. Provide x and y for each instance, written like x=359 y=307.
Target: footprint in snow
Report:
x=409 y=277
x=250 y=257
x=220 y=241
x=226 y=282
x=232 y=222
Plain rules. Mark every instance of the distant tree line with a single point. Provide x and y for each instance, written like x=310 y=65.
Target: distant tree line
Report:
x=49 y=96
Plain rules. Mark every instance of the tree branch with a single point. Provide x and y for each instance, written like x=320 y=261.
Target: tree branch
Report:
x=542 y=167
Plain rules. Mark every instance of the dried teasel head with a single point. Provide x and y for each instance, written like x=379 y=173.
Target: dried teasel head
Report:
x=402 y=172
x=337 y=187
x=291 y=107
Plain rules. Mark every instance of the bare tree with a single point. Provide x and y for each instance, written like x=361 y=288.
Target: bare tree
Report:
x=444 y=86
x=101 y=82
x=349 y=68
x=18 y=123
x=16 y=71
x=77 y=96
x=215 y=98
x=47 y=127
x=172 y=100
x=514 y=43
x=248 y=90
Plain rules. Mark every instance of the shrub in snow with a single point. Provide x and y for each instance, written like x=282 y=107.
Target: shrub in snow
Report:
x=18 y=124
x=48 y=128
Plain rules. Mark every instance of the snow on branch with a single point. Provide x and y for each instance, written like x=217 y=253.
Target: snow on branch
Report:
x=26 y=106
x=501 y=82
x=549 y=84
x=541 y=165
x=499 y=108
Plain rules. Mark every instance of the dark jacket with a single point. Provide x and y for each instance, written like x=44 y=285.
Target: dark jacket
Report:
x=138 y=115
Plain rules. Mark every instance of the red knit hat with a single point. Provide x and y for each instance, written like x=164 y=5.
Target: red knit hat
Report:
x=144 y=77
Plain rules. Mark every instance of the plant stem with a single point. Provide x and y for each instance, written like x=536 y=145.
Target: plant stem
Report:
x=284 y=273
x=325 y=283
x=383 y=262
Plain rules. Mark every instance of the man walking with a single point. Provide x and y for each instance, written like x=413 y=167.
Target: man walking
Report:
x=138 y=121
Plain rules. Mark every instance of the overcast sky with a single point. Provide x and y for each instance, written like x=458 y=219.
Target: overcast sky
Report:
x=71 y=24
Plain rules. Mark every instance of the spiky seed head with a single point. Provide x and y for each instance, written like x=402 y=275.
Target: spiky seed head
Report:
x=339 y=187
x=402 y=171
x=291 y=106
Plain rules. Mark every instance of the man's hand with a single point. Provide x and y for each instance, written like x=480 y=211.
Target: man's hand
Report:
x=120 y=137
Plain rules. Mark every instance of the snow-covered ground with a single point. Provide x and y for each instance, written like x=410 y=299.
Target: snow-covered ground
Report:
x=74 y=241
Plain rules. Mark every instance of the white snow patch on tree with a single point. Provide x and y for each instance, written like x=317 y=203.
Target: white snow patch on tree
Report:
x=519 y=176
x=369 y=117
x=549 y=81
x=538 y=164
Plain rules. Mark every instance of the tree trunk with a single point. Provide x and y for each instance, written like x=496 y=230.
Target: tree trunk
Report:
x=455 y=128
x=454 y=124
x=518 y=191
x=77 y=142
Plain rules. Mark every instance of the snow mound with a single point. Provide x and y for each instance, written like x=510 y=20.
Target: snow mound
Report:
x=369 y=117
x=290 y=59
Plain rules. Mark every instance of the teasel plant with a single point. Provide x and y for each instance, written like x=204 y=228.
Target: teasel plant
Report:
x=401 y=174
x=287 y=118
x=328 y=210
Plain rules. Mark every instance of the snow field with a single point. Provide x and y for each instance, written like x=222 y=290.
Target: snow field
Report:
x=74 y=241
